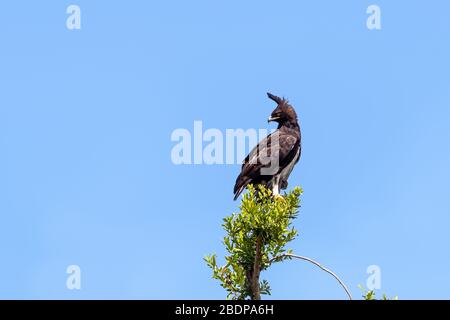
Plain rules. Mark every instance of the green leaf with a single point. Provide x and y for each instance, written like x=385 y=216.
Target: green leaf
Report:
x=261 y=217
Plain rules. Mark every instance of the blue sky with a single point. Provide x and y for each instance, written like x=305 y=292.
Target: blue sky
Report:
x=86 y=117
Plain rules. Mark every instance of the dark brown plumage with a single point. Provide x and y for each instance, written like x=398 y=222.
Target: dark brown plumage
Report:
x=271 y=162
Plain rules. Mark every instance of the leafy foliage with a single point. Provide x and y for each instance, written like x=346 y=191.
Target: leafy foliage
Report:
x=370 y=294
x=256 y=237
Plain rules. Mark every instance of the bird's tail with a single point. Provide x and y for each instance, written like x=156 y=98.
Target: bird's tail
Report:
x=241 y=183
x=238 y=192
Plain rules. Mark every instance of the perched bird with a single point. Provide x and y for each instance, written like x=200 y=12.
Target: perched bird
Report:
x=271 y=162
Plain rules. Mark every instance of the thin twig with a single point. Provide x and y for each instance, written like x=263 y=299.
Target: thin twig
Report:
x=318 y=265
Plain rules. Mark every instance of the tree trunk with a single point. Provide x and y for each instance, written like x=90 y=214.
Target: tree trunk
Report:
x=256 y=294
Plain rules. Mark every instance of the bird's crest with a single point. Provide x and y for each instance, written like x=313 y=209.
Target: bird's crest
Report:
x=277 y=99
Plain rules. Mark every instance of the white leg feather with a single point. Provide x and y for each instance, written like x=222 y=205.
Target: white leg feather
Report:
x=275 y=186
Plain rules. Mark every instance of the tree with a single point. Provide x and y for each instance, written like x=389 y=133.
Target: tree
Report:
x=370 y=294
x=256 y=237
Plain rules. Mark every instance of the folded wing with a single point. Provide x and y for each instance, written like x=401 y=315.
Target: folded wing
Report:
x=267 y=159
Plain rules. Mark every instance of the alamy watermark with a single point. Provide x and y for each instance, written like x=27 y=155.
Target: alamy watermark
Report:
x=73 y=21
x=374 y=20
x=214 y=146
x=373 y=282
x=73 y=281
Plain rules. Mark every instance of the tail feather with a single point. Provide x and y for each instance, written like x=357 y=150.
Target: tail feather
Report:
x=236 y=195
x=241 y=183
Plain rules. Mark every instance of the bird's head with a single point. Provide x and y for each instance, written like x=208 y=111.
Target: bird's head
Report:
x=284 y=113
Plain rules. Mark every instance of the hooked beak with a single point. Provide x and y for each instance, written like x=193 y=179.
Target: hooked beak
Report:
x=272 y=118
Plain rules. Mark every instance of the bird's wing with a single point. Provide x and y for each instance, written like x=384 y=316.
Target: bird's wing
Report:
x=252 y=156
x=268 y=157
x=273 y=150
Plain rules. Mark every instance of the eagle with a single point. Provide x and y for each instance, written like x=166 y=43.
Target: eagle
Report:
x=271 y=161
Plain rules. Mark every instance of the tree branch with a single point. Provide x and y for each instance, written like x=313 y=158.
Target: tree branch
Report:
x=318 y=265
x=256 y=294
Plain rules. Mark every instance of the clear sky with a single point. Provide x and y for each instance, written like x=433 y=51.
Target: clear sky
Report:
x=86 y=116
